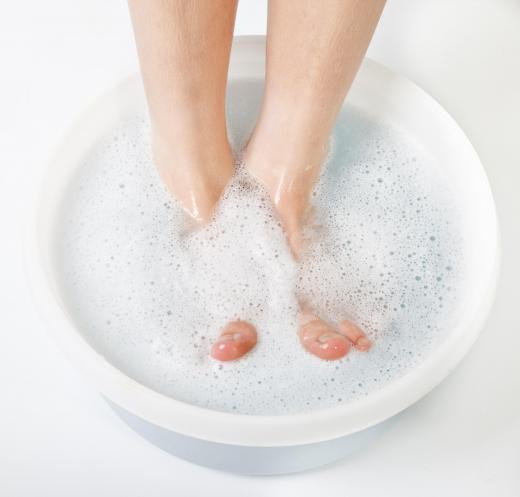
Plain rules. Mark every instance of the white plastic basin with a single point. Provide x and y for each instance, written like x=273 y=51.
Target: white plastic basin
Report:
x=286 y=443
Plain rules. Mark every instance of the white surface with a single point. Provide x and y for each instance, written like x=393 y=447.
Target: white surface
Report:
x=57 y=437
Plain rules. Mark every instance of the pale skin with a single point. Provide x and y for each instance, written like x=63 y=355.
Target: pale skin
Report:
x=314 y=49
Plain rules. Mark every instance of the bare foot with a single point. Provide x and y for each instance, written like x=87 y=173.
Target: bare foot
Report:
x=236 y=339
x=325 y=342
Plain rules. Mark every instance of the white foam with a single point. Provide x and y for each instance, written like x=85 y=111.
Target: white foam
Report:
x=151 y=296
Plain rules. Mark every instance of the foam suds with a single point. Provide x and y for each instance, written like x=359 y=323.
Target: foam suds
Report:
x=151 y=295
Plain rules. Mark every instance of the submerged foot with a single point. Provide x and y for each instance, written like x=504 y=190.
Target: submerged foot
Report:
x=289 y=175
x=325 y=342
x=236 y=339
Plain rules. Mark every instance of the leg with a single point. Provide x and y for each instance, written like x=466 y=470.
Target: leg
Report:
x=184 y=48
x=314 y=50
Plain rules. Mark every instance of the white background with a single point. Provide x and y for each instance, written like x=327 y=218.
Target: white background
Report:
x=58 y=438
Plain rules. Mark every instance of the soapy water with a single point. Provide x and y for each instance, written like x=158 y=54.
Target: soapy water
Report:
x=151 y=294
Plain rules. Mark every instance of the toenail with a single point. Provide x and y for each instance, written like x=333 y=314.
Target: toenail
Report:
x=326 y=337
x=363 y=343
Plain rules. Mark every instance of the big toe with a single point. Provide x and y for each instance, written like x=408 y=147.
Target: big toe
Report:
x=356 y=335
x=320 y=339
x=236 y=339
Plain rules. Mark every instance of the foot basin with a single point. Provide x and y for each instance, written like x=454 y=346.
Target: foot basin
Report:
x=283 y=443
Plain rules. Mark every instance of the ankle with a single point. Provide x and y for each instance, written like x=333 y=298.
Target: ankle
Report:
x=296 y=156
x=195 y=173
x=288 y=179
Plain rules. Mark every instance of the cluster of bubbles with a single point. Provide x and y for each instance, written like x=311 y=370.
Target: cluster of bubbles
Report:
x=150 y=292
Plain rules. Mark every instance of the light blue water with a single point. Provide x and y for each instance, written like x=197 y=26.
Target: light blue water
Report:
x=152 y=299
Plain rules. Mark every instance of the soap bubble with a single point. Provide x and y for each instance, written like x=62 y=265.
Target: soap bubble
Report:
x=155 y=312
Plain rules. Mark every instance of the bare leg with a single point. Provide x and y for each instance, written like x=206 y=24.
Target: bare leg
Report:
x=314 y=50
x=184 y=48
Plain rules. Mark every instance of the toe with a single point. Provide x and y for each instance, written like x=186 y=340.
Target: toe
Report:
x=356 y=335
x=236 y=339
x=323 y=341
